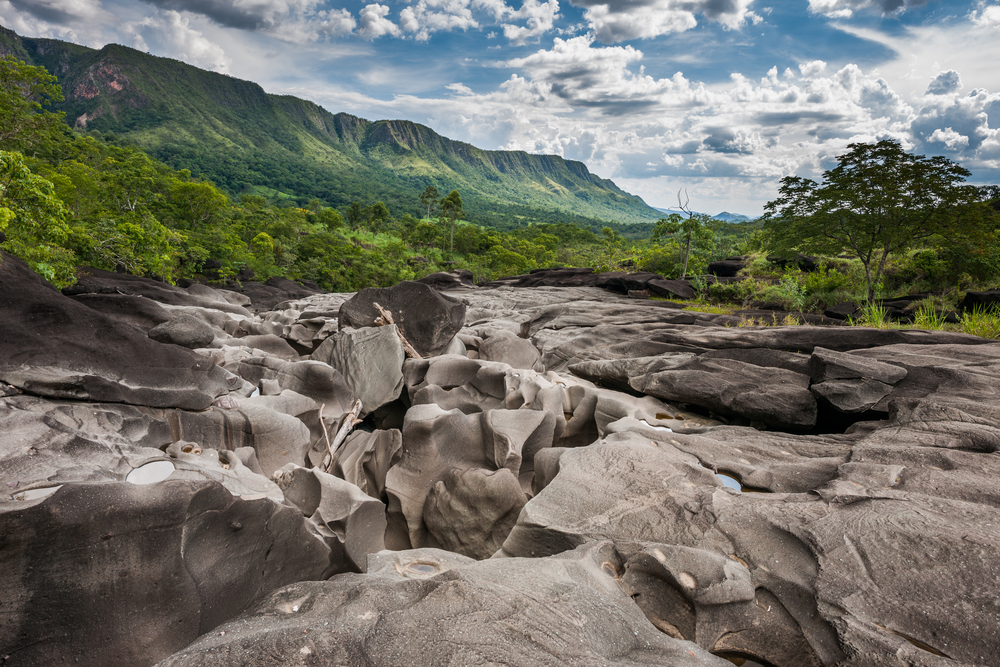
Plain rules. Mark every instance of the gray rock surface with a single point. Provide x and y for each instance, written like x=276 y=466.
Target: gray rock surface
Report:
x=351 y=521
x=421 y=609
x=428 y=318
x=790 y=495
x=371 y=362
x=184 y=330
x=53 y=346
x=124 y=574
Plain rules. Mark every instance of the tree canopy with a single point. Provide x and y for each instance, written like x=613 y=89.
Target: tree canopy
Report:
x=24 y=89
x=878 y=200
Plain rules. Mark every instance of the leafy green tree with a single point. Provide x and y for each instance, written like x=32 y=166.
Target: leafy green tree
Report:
x=451 y=208
x=24 y=90
x=330 y=218
x=377 y=215
x=136 y=242
x=877 y=201
x=355 y=215
x=197 y=204
x=429 y=198
x=692 y=233
x=34 y=221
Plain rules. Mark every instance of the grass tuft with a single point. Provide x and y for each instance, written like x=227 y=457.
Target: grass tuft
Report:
x=982 y=322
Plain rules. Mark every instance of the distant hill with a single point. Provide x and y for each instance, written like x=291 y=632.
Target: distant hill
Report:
x=732 y=217
x=725 y=216
x=246 y=140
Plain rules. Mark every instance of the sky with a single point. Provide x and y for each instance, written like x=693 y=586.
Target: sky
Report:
x=712 y=101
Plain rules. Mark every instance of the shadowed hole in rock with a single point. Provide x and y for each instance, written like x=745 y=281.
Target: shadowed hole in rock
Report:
x=743 y=659
x=422 y=568
x=831 y=420
x=150 y=473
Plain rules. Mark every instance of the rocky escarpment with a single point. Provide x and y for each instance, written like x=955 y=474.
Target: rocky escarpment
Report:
x=563 y=476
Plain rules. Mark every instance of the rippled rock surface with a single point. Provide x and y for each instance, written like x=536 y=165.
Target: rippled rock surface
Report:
x=567 y=477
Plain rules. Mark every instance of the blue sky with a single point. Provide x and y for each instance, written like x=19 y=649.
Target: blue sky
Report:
x=718 y=97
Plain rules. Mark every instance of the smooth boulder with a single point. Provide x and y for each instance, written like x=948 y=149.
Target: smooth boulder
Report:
x=51 y=345
x=427 y=318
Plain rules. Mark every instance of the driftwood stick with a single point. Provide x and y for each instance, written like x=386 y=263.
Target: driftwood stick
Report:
x=349 y=421
x=328 y=459
x=384 y=318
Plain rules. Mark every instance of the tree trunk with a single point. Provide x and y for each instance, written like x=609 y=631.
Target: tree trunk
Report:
x=687 y=253
x=869 y=281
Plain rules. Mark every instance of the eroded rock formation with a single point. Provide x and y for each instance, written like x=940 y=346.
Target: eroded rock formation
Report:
x=565 y=477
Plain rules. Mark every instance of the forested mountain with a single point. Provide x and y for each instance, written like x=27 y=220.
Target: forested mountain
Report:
x=245 y=140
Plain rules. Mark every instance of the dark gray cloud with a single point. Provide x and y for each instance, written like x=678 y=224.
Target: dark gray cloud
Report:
x=770 y=118
x=944 y=83
x=245 y=16
x=60 y=12
x=724 y=140
x=883 y=6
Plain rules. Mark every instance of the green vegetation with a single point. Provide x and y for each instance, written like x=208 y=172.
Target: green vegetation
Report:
x=878 y=201
x=72 y=197
x=245 y=141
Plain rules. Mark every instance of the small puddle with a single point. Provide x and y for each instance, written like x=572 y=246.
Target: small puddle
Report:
x=656 y=428
x=151 y=473
x=35 y=494
x=727 y=479
x=733 y=481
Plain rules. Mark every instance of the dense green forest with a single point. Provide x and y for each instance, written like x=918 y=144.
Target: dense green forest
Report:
x=882 y=223
x=246 y=141
x=74 y=198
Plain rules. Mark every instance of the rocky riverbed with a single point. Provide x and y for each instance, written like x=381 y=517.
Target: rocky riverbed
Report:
x=553 y=474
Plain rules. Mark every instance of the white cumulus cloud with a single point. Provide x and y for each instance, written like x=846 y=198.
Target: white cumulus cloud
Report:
x=174 y=36
x=374 y=22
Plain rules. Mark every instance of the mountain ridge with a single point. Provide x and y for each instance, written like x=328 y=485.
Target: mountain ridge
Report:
x=245 y=139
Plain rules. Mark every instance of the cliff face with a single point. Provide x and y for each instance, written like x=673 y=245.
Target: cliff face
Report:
x=208 y=122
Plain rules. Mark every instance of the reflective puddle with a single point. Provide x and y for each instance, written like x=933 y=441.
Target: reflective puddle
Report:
x=733 y=481
x=151 y=473
x=35 y=494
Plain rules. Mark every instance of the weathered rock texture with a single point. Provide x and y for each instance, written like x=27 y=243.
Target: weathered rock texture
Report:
x=52 y=346
x=417 y=608
x=586 y=480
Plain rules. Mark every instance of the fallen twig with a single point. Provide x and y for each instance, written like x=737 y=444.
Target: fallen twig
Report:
x=350 y=420
x=385 y=318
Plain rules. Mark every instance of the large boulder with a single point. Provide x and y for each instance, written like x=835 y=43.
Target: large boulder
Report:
x=986 y=300
x=123 y=574
x=351 y=521
x=139 y=311
x=426 y=607
x=437 y=442
x=427 y=318
x=51 y=345
x=92 y=280
x=671 y=289
x=772 y=396
x=184 y=330
x=371 y=362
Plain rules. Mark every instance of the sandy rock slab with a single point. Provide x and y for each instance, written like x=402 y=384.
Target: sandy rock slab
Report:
x=427 y=607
